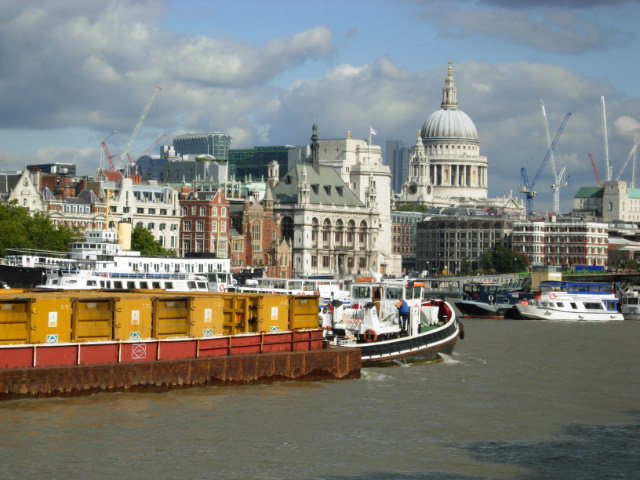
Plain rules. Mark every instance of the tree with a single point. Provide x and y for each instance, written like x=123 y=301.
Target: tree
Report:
x=503 y=260
x=142 y=240
x=21 y=230
x=465 y=266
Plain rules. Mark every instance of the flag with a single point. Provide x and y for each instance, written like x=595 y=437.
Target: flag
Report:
x=372 y=131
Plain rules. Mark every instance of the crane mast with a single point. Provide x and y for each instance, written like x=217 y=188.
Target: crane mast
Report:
x=137 y=127
x=636 y=141
x=606 y=141
x=558 y=179
x=595 y=170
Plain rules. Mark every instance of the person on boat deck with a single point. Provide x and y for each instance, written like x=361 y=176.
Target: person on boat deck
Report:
x=403 y=310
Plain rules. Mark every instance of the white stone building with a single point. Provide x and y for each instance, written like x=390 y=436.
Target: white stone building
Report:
x=24 y=188
x=613 y=202
x=359 y=165
x=154 y=207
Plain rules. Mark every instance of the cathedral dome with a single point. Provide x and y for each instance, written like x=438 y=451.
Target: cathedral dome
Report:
x=449 y=124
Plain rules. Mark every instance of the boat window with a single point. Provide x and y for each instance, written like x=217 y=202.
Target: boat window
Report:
x=168 y=285
x=91 y=283
x=191 y=285
x=156 y=285
x=632 y=301
x=574 y=306
x=54 y=281
x=202 y=286
x=361 y=292
x=131 y=285
x=593 y=305
x=394 y=293
x=101 y=283
x=295 y=285
x=560 y=304
x=308 y=287
x=117 y=284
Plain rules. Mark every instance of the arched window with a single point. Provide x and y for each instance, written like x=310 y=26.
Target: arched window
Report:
x=286 y=229
x=339 y=233
x=362 y=235
x=326 y=231
x=315 y=229
x=351 y=233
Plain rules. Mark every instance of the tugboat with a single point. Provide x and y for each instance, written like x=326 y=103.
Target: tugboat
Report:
x=372 y=323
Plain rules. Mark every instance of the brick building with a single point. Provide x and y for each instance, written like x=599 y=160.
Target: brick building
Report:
x=204 y=223
x=562 y=241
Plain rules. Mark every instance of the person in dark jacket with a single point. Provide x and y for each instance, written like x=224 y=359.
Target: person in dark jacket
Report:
x=403 y=310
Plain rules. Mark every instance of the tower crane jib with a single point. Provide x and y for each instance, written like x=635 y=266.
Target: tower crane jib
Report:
x=137 y=127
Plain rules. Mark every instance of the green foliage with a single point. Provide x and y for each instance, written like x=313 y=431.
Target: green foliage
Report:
x=465 y=266
x=411 y=207
x=142 y=240
x=20 y=230
x=503 y=260
x=632 y=264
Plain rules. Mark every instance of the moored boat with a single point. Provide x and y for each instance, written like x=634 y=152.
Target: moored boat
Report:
x=572 y=301
x=630 y=303
x=372 y=323
x=486 y=300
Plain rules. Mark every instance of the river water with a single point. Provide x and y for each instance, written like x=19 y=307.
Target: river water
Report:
x=517 y=400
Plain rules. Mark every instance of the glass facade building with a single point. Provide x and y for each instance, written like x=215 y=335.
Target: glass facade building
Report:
x=215 y=143
x=254 y=162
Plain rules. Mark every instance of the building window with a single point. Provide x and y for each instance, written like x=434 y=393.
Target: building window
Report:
x=223 y=211
x=203 y=211
x=185 y=211
x=223 y=227
x=314 y=261
x=200 y=226
x=186 y=226
x=214 y=226
x=326 y=261
x=214 y=211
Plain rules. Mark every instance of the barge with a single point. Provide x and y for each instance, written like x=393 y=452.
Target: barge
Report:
x=75 y=343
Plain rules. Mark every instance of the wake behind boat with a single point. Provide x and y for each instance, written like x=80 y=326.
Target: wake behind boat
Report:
x=573 y=301
x=372 y=323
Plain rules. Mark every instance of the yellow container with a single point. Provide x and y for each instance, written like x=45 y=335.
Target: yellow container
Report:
x=170 y=317
x=14 y=321
x=235 y=313
x=132 y=318
x=206 y=317
x=92 y=319
x=50 y=320
x=272 y=314
x=303 y=312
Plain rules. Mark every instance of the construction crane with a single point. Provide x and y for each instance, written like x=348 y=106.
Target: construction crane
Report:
x=636 y=141
x=558 y=178
x=606 y=141
x=105 y=152
x=595 y=170
x=527 y=187
x=153 y=144
x=123 y=154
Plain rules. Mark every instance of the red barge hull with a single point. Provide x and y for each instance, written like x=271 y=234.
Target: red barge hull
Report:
x=158 y=365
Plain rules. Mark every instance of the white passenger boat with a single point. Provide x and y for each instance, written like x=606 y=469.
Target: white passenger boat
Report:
x=573 y=301
x=327 y=290
x=100 y=262
x=89 y=280
x=630 y=303
x=371 y=323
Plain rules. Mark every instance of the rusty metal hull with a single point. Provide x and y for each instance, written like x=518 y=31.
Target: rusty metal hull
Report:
x=167 y=374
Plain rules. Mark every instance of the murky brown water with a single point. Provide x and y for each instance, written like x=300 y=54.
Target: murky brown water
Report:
x=518 y=399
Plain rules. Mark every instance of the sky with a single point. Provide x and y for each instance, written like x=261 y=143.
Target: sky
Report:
x=264 y=72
